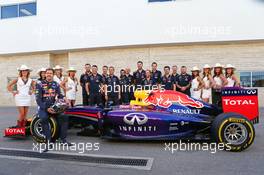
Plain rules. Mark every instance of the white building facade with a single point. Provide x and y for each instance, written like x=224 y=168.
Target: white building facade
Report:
x=44 y=33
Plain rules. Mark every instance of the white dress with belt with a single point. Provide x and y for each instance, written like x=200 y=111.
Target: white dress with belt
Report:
x=72 y=85
x=195 y=85
x=23 y=98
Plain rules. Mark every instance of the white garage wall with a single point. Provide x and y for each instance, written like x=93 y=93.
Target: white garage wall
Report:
x=72 y=24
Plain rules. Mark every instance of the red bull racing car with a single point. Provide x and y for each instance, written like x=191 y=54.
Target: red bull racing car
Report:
x=168 y=115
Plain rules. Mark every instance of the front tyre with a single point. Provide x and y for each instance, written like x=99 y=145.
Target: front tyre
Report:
x=36 y=129
x=234 y=130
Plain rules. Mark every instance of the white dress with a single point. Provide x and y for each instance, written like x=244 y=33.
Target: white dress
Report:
x=218 y=81
x=231 y=82
x=71 y=94
x=23 y=98
x=206 y=93
x=59 y=80
x=195 y=85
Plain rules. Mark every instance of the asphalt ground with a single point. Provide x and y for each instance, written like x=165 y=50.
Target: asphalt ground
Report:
x=180 y=162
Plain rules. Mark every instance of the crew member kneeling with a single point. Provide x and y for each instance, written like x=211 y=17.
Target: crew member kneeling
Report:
x=47 y=91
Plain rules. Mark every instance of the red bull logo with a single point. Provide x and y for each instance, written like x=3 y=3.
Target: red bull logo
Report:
x=166 y=98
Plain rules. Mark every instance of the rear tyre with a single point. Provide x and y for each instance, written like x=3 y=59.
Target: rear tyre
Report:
x=36 y=129
x=234 y=130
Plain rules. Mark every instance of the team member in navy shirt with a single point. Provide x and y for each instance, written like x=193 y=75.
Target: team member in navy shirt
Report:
x=94 y=87
x=112 y=91
x=149 y=83
x=183 y=81
x=83 y=80
x=174 y=74
x=166 y=80
x=104 y=75
x=156 y=74
x=139 y=74
x=125 y=86
x=131 y=83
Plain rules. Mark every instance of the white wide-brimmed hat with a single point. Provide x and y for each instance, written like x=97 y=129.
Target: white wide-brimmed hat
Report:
x=57 y=67
x=71 y=69
x=24 y=67
x=42 y=70
x=229 y=66
x=218 y=65
x=195 y=68
x=207 y=66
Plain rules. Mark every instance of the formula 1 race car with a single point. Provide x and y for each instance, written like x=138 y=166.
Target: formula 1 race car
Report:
x=169 y=115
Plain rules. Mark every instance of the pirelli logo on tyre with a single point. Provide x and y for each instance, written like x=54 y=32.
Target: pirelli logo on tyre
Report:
x=236 y=120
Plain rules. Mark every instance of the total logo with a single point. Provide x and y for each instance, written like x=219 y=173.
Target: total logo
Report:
x=137 y=123
x=15 y=131
x=238 y=102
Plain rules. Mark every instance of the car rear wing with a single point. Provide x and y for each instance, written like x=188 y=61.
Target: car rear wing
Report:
x=243 y=101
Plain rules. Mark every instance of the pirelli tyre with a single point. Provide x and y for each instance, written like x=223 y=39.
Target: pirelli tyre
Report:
x=233 y=130
x=36 y=129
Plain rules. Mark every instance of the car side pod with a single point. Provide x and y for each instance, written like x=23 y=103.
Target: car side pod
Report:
x=242 y=101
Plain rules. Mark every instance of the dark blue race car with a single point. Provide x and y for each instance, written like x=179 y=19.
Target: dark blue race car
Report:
x=169 y=115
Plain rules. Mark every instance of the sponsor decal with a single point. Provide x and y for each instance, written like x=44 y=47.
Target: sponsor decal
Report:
x=236 y=120
x=136 y=122
x=251 y=91
x=240 y=92
x=238 y=102
x=175 y=126
x=186 y=111
x=135 y=117
x=15 y=131
x=165 y=100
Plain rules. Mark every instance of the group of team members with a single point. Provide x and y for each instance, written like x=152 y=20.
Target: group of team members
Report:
x=98 y=89
x=120 y=89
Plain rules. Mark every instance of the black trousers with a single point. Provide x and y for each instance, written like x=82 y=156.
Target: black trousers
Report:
x=85 y=97
x=217 y=98
x=95 y=99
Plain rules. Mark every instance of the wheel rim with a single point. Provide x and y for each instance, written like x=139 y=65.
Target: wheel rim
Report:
x=38 y=128
x=235 y=133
